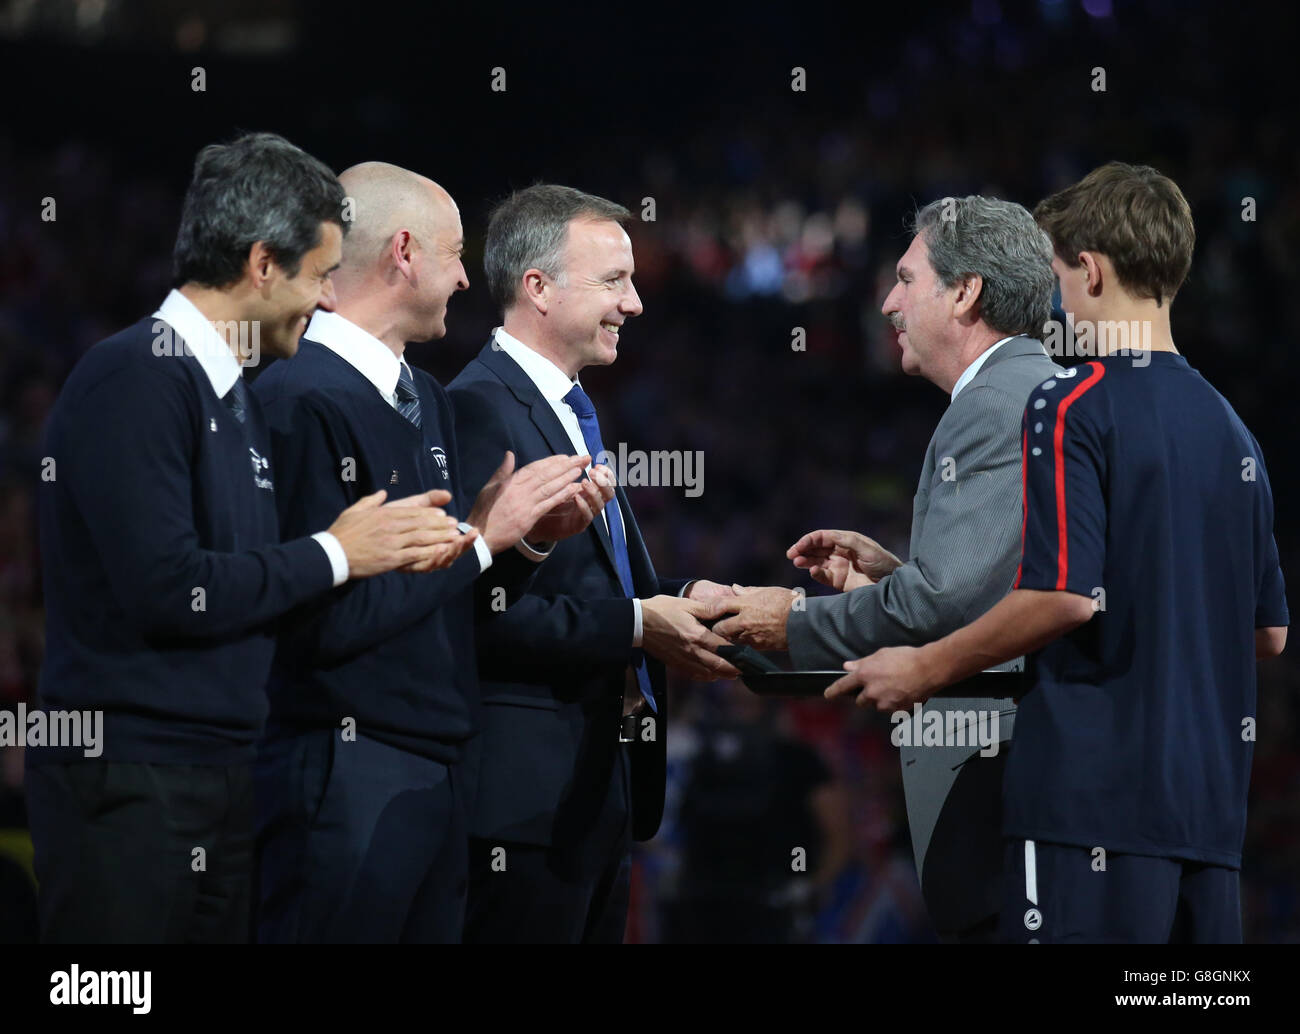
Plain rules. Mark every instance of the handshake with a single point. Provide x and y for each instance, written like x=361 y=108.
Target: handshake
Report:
x=548 y=500
x=675 y=629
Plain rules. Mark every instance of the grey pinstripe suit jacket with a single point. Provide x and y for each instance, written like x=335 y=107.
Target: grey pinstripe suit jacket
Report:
x=965 y=547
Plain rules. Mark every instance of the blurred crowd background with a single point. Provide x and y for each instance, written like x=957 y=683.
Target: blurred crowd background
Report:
x=774 y=210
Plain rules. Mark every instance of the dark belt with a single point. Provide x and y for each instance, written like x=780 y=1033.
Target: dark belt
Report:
x=995 y=684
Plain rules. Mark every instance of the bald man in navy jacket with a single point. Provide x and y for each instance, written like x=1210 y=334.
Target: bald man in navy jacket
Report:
x=374 y=692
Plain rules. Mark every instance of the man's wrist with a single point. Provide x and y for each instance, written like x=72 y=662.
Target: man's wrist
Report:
x=338 y=557
x=935 y=662
x=535 y=551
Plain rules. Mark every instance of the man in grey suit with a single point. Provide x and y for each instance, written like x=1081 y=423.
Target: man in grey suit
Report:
x=974 y=290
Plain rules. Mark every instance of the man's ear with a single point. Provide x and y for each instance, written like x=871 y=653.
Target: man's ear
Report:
x=1094 y=274
x=964 y=302
x=401 y=250
x=537 y=289
x=260 y=264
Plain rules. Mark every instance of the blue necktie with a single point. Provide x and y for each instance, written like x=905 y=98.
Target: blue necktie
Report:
x=408 y=399
x=586 y=414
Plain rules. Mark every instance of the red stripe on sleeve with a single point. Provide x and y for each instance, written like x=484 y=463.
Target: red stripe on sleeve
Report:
x=1058 y=441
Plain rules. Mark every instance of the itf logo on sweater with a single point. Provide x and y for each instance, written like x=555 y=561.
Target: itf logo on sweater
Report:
x=260 y=464
x=440 y=458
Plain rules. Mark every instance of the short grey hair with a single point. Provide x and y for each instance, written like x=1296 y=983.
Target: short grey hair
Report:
x=999 y=242
x=529 y=230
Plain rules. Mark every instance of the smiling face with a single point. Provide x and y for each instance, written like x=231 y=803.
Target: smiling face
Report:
x=594 y=296
x=920 y=308
x=289 y=301
x=439 y=271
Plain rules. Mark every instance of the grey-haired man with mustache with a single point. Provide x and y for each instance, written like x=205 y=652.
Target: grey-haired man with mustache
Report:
x=973 y=292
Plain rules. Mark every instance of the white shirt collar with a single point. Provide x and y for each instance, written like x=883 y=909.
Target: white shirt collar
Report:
x=969 y=373
x=551 y=381
x=202 y=341
x=373 y=359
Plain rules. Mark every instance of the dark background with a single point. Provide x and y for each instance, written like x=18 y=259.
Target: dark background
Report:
x=774 y=209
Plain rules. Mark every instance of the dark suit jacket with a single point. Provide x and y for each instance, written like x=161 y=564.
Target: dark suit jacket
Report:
x=553 y=664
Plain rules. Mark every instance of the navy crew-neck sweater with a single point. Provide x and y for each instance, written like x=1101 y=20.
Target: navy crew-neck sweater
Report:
x=162 y=558
x=395 y=653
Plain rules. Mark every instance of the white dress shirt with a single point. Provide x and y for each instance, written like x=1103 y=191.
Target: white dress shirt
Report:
x=223 y=369
x=969 y=373
x=375 y=361
x=554 y=384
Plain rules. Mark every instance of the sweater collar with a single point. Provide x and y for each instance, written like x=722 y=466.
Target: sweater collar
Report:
x=373 y=359
x=202 y=341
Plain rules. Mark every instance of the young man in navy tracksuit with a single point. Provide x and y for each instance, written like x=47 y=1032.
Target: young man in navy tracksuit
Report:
x=163 y=564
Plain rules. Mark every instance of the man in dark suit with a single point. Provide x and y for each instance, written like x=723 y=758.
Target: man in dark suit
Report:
x=163 y=564
x=574 y=703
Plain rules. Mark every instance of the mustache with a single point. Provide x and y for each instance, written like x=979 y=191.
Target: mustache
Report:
x=896 y=321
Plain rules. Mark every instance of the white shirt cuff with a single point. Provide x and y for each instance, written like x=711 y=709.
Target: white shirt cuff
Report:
x=334 y=550
x=484 y=554
x=535 y=555
x=636 y=622
x=687 y=588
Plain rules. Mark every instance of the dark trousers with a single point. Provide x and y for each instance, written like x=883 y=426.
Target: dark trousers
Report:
x=987 y=931
x=962 y=878
x=141 y=853
x=727 y=920
x=1060 y=893
x=358 y=842
x=530 y=894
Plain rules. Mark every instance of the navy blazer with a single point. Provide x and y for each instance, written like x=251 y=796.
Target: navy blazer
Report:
x=553 y=663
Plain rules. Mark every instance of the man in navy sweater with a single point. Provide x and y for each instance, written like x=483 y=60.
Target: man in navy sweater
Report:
x=362 y=831
x=163 y=564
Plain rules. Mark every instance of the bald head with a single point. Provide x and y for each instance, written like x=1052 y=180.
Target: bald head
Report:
x=401 y=261
x=385 y=200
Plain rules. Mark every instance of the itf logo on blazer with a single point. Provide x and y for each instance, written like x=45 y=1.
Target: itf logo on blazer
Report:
x=441 y=458
x=260 y=464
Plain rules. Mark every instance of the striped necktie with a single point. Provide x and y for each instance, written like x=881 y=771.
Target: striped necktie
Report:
x=408 y=399
x=237 y=399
